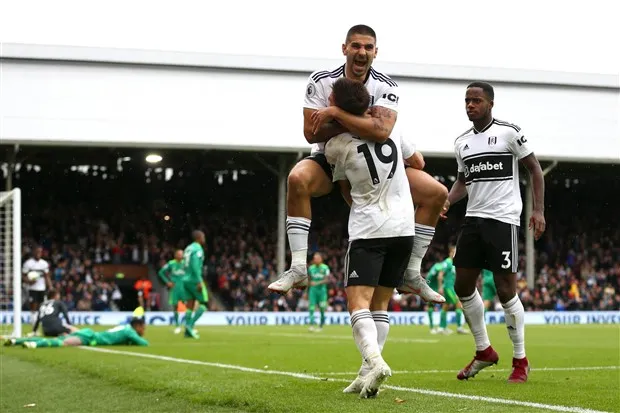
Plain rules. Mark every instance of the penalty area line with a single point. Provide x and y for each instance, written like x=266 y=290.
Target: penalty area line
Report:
x=495 y=400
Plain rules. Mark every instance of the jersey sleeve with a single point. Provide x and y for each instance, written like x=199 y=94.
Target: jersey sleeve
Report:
x=407 y=147
x=162 y=273
x=316 y=97
x=459 y=161
x=196 y=264
x=519 y=145
x=135 y=338
x=25 y=267
x=388 y=97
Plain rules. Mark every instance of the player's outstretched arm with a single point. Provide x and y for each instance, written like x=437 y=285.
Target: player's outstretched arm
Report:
x=537 y=180
x=324 y=133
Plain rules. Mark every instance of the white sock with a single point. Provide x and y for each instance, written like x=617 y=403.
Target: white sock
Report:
x=33 y=317
x=365 y=335
x=421 y=241
x=297 y=230
x=473 y=308
x=382 y=323
x=515 y=322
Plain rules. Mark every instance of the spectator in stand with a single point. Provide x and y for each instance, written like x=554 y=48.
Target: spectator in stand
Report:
x=144 y=286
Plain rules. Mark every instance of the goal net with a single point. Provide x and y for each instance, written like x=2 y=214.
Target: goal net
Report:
x=10 y=263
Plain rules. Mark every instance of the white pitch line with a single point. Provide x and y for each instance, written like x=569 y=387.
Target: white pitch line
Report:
x=349 y=373
x=496 y=400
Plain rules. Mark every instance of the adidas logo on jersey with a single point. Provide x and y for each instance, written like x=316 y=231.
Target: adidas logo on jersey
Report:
x=354 y=275
x=466 y=147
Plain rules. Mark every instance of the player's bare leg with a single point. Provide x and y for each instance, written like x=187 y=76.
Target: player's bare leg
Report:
x=306 y=180
x=473 y=308
x=378 y=308
x=506 y=285
x=429 y=196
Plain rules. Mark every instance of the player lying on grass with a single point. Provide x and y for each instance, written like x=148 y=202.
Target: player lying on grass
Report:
x=312 y=176
x=117 y=336
x=374 y=183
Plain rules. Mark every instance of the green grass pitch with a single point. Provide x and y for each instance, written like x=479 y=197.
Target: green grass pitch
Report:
x=288 y=369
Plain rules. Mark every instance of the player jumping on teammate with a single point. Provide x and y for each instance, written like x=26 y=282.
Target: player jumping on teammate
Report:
x=488 y=156
x=374 y=183
x=172 y=275
x=117 y=336
x=311 y=177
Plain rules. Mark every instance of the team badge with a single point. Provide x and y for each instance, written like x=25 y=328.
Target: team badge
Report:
x=310 y=90
x=492 y=140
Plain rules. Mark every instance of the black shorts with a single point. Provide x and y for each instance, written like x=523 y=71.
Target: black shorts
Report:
x=36 y=296
x=322 y=161
x=488 y=243
x=377 y=262
x=55 y=330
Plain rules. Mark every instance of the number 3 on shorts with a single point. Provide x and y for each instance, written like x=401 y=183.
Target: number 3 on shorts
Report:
x=507 y=262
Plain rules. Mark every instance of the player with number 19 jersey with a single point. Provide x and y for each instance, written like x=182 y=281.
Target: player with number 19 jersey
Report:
x=383 y=92
x=381 y=202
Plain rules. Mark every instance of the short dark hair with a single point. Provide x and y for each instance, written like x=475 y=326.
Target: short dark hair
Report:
x=351 y=96
x=361 y=29
x=51 y=294
x=487 y=88
x=197 y=234
x=137 y=321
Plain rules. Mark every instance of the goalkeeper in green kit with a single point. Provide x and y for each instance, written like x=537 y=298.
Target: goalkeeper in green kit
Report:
x=194 y=289
x=317 y=292
x=130 y=334
x=172 y=275
x=446 y=279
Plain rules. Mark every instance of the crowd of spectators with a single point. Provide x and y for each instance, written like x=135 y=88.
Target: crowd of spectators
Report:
x=578 y=258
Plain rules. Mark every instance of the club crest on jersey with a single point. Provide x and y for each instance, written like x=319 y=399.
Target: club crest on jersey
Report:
x=310 y=90
x=492 y=140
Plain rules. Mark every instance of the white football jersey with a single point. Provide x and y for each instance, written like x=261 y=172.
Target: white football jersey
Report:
x=382 y=206
x=383 y=92
x=36 y=265
x=490 y=161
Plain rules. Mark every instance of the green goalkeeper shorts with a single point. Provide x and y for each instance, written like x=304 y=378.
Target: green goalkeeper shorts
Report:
x=176 y=294
x=192 y=291
x=317 y=297
x=451 y=297
x=86 y=335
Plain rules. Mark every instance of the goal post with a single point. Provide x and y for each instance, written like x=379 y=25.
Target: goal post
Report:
x=10 y=263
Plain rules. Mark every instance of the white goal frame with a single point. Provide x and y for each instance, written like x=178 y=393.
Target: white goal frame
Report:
x=13 y=260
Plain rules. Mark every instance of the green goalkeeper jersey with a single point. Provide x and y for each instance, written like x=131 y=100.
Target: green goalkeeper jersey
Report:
x=449 y=273
x=318 y=273
x=173 y=271
x=431 y=277
x=121 y=335
x=193 y=258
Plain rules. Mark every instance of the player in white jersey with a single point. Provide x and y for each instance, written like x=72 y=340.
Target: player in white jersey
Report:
x=381 y=230
x=311 y=177
x=37 y=282
x=488 y=156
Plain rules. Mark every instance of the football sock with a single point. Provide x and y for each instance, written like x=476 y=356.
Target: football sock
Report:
x=297 y=230
x=322 y=310
x=459 y=314
x=443 y=319
x=423 y=237
x=176 y=318
x=201 y=309
x=515 y=323
x=473 y=308
x=430 y=310
x=188 y=318
x=312 y=316
x=365 y=335
x=52 y=342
